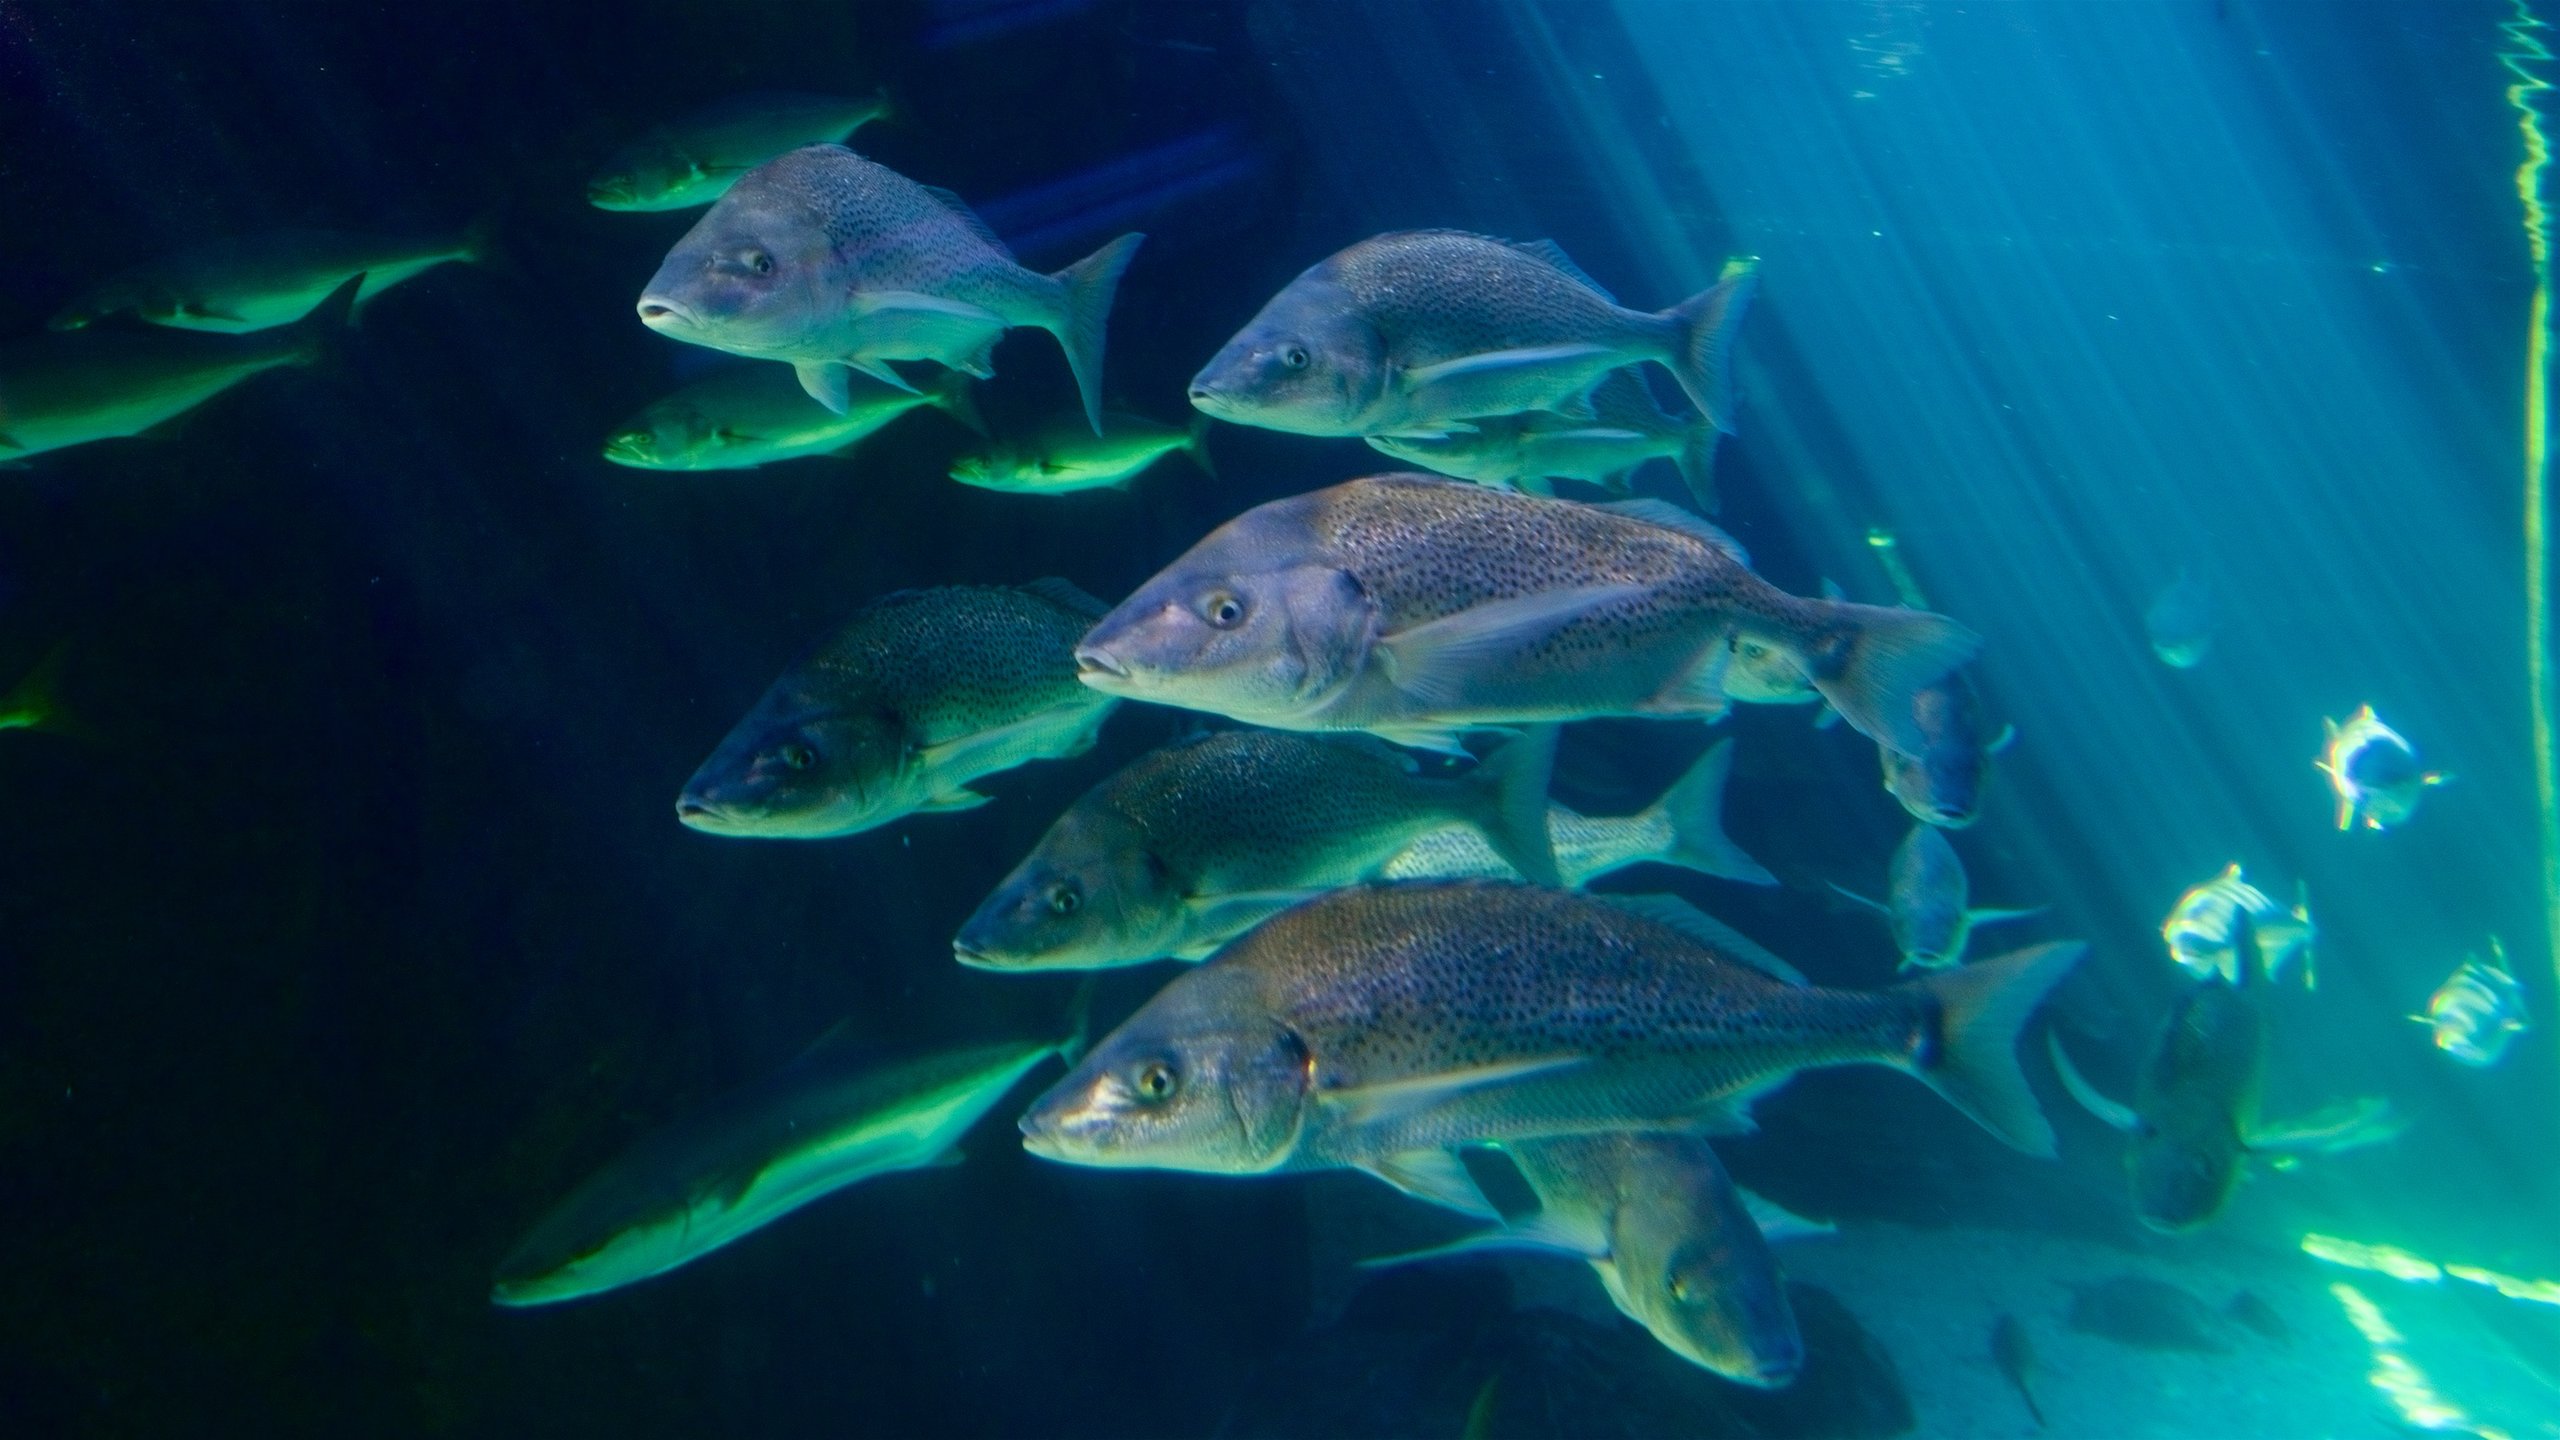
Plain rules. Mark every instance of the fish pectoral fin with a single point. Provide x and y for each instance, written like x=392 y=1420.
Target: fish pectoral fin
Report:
x=1391 y=1099
x=2347 y=1125
x=825 y=380
x=884 y=372
x=1500 y=1238
x=1505 y=362
x=1777 y=1222
x=1435 y=1176
x=1876 y=905
x=1439 y=739
x=1436 y=662
x=2115 y=1113
x=1215 y=919
x=1448 y=430
x=960 y=798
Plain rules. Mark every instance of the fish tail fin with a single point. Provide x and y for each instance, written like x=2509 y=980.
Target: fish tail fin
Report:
x=1084 y=315
x=317 y=336
x=1697 y=462
x=955 y=395
x=1972 y=1058
x=1513 y=783
x=1693 y=809
x=1878 y=658
x=1196 y=448
x=35 y=702
x=1702 y=345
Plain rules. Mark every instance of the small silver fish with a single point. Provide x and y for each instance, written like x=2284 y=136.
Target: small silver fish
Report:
x=1378 y=1027
x=754 y=1157
x=2478 y=1011
x=1419 y=331
x=1067 y=458
x=1927 y=894
x=750 y=415
x=694 y=158
x=833 y=264
x=259 y=282
x=899 y=709
x=2198 y=930
x=57 y=391
x=2181 y=621
x=1412 y=606
x=1683 y=827
x=2373 y=771
x=1526 y=451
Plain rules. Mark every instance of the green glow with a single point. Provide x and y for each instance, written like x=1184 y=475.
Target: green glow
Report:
x=2526 y=51
x=2398 y=1377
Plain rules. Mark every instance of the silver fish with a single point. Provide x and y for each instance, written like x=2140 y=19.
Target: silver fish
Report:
x=1684 y=827
x=1378 y=1027
x=750 y=415
x=1065 y=459
x=1419 y=331
x=2198 y=930
x=1526 y=451
x=833 y=264
x=1927 y=894
x=258 y=282
x=694 y=158
x=2373 y=772
x=1200 y=841
x=899 y=709
x=2478 y=1011
x=60 y=391
x=2181 y=621
x=1678 y=1246
x=1412 y=606
x=755 y=1157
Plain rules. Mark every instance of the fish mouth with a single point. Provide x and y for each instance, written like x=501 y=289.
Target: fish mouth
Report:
x=665 y=313
x=1095 y=666
x=696 y=813
x=976 y=959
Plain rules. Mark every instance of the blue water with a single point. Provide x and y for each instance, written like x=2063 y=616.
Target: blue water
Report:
x=349 y=928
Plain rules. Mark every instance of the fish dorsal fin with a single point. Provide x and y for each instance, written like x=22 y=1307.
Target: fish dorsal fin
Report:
x=1675 y=913
x=969 y=217
x=1671 y=517
x=1553 y=254
x=2114 y=1112
x=1066 y=595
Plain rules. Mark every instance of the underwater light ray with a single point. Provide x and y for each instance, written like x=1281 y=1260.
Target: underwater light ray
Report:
x=2527 y=50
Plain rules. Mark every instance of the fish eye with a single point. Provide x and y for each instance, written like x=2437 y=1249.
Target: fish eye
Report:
x=1222 y=608
x=758 y=261
x=1294 y=356
x=797 y=756
x=1065 y=898
x=1155 y=1082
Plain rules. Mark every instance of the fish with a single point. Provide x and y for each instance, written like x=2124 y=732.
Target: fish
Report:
x=1197 y=842
x=2198 y=930
x=105 y=384
x=2249 y=1309
x=2146 y=1314
x=750 y=415
x=694 y=158
x=1683 y=827
x=261 y=282
x=1527 y=451
x=2181 y=621
x=899 y=709
x=1412 y=607
x=34 y=702
x=834 y=265
x=755 y=1156
x=2015 y=1357
x=2373 y=772
x=1067 y=458
x=1415 y=332
x=1927 y=894
x=1375 y=1028
x=2478 y=1011
x=1676 y=1244
x=2194 y=1121
x=1941 y=783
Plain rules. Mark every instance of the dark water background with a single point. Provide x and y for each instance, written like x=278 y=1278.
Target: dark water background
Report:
x=357 y=929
